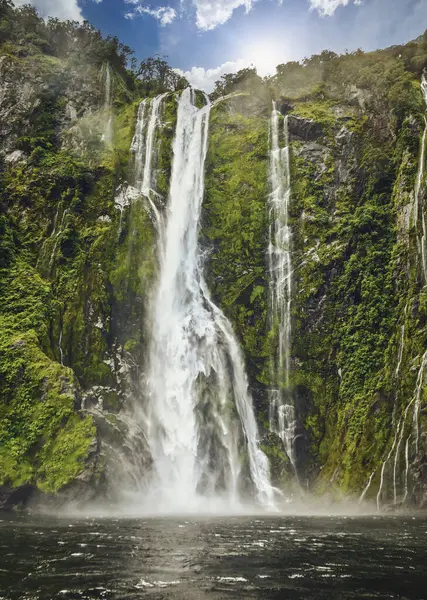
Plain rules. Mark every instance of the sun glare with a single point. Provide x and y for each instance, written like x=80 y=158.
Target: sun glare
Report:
x=265 y=54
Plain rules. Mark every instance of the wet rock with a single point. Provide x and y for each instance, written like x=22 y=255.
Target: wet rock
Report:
x=15 y=157
x=304 y=129
x=13 y=498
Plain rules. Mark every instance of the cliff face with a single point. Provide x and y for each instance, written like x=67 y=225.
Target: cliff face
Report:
x=67 y=252
x=78 y=258
x=356 y=126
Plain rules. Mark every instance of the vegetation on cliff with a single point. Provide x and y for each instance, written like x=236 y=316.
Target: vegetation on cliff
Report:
x=72 y=260
x=356 y=123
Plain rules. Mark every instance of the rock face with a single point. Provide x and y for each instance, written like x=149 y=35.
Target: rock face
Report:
x=78 y=258
x=359 y=373
x=306 y=130
x=65 y=249
x=358 y=340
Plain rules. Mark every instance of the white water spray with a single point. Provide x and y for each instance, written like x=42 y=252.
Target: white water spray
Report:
x=200 y=420
x=282 y=412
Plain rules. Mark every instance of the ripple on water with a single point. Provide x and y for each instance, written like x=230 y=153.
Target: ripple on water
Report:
x=222 y=559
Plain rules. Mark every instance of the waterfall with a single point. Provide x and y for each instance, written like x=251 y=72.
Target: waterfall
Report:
x=143 y=147
x=107 y=137
x=138 y=145
x=199 y=420
x=418 y=187
x=282 y=412
x=146 y=184
x=415 y=404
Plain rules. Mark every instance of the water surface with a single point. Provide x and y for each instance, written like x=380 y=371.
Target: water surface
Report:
x=218 y=558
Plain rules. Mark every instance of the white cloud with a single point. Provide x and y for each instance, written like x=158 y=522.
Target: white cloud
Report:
x=63 y=9
x=164 y=14
x=204 y=79
x=210 y=13
x=328 y=7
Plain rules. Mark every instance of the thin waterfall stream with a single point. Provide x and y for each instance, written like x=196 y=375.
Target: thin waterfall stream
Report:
x=282 y=410
x=144 y=150
x=107 y=136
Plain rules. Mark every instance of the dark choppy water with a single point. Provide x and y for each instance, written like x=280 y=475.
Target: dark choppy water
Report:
x=191 y=559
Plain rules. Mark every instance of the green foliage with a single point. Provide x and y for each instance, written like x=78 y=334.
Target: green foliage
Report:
x=320 y=112
x=235 y=225
x=42 y=439
x=157 y=77
x=346 y=251
x=245 y=80
x=76 y=270
x=164 y=155
x=131 y=277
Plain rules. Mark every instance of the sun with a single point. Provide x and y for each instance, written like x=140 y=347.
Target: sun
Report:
x=265 y=54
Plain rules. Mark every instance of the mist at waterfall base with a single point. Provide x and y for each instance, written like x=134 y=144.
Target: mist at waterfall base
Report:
x=260 y=558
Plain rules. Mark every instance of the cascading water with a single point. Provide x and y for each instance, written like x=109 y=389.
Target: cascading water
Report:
x=138 y=143
x=146 y=183
x=107 y=137
x=200 y=422
x=143 y=147
x=282 y=412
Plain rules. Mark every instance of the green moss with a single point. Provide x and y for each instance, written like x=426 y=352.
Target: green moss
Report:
x=235 y=225
x=131 y=278
x=43 y=440
x=77 y=273
x=320 y=112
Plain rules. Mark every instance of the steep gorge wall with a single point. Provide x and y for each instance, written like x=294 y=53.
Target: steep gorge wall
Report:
x=75 y=265
x=359 y=337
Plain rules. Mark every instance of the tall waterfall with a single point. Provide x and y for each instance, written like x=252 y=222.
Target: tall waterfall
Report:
x=282 y=413
x=108 y=102
x=138 y=144
x=200 y=422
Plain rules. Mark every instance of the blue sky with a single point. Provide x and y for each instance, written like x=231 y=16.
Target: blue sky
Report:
x=206 y=38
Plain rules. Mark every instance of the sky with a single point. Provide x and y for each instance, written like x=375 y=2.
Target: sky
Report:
x=207 y=38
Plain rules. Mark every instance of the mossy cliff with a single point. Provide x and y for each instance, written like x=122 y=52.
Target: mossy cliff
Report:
x=358 y=309
x=78 y=258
